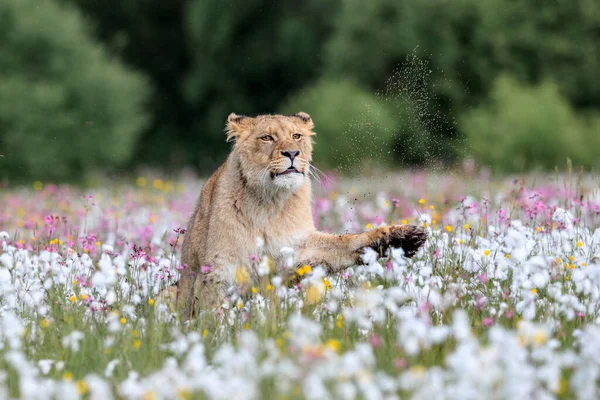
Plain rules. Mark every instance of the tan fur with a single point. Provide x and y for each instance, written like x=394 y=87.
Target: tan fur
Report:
x=244 y=200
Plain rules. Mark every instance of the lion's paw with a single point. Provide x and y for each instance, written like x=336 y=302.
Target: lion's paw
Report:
x=409 y=238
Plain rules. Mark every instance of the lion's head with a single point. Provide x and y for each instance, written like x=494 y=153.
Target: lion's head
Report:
x=274 y=151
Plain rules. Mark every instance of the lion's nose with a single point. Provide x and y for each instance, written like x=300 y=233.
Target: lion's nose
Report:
x=290 y=153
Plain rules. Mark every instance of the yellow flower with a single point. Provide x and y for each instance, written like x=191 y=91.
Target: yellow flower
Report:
x=254 y=290
x=579 y=243
x=424 y=224
x=340 y=321
x=82 y=387
x=73 y=298
x=184 y=393
x=333 y=344
x=98 y=243
x=507 y=255
x=461 y=241
x=314 y=293
x=432 y=207
x=123 y=320
x=84 y=296
x=45 y=323
x=404 y=222
x=448 y=228
x=369 y=226
x=67 y=376
x=539 y=228
x=269 y=287
x=326 y=283
x=486 y=252
x=572 y=258
x=303 y=270
x=158 y=184
x=466 y=227
x=421 y=201
x=246 y=326
x=540 y=337
x=141 y=181
x=38 y=185
x=151 y=302
x=137 y=343
x=433 y=222
x=149 y=395
x=534 y=290
x=572 y=266
x=418 y=370
x=242 y=276
x=204 y=333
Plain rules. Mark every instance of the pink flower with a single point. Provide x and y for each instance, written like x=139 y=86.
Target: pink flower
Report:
x=400 y=363
x=205 y=269
x=480 y=302
x=388 y=265
x=375 y=340
x=487 y=321
x=396 y=202
x=483 y=278
x=181 y=267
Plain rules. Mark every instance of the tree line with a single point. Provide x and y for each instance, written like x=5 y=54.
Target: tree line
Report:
x=89 y=85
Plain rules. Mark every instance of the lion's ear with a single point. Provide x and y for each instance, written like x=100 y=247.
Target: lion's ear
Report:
x=305 y=119
x=236 y=125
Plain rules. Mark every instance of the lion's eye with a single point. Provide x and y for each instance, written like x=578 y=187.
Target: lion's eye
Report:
x=266 y=138
x=296 y=136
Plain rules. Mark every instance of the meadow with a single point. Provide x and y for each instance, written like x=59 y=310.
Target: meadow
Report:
x=502 y=302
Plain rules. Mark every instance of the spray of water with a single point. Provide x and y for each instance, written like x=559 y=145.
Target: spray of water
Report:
x=423 y=130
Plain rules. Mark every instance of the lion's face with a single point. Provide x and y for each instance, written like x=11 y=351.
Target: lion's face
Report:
x=274 y=150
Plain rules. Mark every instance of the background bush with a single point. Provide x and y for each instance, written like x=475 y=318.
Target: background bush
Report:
x=67 y=107
x=525 y=127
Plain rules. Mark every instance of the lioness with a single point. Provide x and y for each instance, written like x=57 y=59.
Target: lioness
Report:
x=263 y=190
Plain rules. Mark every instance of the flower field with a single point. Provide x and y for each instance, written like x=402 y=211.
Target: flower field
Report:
x=502 y=302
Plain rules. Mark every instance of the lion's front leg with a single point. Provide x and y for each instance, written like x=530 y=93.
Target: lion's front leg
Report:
x=203 y=290
x=335 y=252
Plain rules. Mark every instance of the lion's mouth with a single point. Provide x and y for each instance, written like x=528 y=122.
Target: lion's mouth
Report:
x=290 y=170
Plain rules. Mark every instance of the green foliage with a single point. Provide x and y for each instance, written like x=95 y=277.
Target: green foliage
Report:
x=351 y=124
x=151 y=37
x=205 y=59
x=527 y=127
x=467 y=44
x=67 y=107
x=247 y=57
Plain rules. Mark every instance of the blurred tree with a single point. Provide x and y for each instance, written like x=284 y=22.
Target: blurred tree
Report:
x=523 y=127
x=67 y=107
x=467 y=44
x=150 y=36
x=247 y=58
